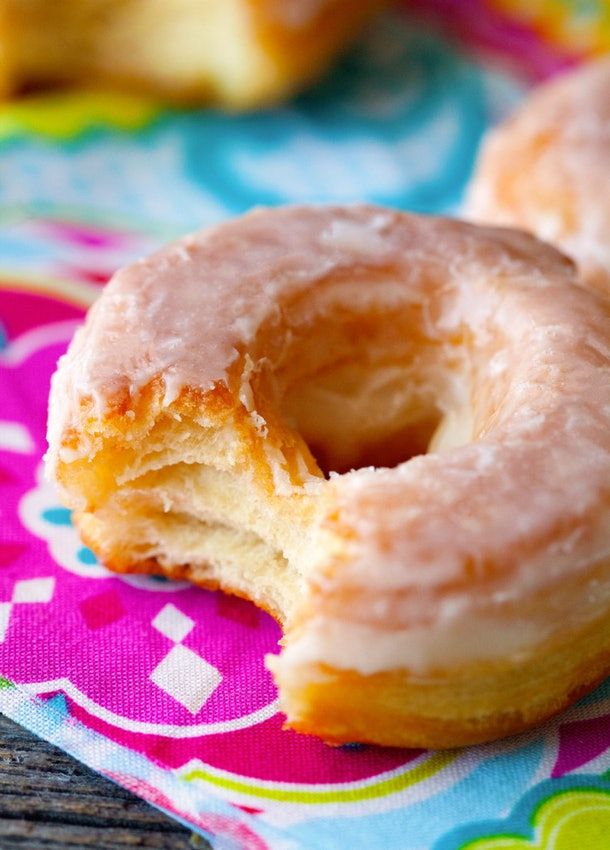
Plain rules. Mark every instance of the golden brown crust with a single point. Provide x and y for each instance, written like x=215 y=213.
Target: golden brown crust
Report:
x=7 y=83
x=479 y=703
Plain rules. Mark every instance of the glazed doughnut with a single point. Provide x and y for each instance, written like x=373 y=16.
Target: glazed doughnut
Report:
x=238 y=53
x=547 y=170
x=390 y=431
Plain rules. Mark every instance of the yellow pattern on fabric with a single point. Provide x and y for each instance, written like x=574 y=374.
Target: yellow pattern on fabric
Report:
x=66 y=115
x=571 y=820
x=341 y=793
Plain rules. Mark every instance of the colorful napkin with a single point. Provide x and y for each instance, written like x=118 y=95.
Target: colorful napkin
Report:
x=162 y=686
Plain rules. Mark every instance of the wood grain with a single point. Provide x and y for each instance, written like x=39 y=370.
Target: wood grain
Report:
x=48 y=801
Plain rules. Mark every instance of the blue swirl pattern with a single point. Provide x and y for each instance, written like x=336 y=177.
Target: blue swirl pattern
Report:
x=398 y=123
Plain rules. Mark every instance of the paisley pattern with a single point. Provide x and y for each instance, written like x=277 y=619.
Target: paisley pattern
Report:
x=554 y=815
x=162 y=686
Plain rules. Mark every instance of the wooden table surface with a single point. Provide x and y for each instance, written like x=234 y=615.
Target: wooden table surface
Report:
x=48 y=801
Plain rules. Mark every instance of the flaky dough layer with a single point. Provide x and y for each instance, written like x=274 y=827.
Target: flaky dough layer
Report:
x=455 y=587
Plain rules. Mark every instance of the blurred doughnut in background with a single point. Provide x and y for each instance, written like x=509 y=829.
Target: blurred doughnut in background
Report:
x=547 y=170
x=235 y=53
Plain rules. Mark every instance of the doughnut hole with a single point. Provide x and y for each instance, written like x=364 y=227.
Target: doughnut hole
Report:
x=357 y=376
x=362 y=388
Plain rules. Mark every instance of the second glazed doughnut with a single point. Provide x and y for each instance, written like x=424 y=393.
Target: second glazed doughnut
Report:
x=547 y=170
x=455 y=587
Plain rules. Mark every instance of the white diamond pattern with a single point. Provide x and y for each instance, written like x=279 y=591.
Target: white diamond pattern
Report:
x=172 y=623
x=34 y=590
x=187 y=677
x=182 y=673
x=25 y=591
x=5 y=616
